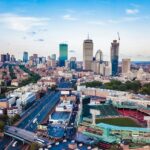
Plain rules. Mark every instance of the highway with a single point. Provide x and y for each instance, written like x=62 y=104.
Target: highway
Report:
x=40 y=111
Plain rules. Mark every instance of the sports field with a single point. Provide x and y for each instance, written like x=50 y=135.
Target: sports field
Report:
x=118 y=122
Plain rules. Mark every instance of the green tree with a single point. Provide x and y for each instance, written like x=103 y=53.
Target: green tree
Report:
x=2 y=124
x=34 y=146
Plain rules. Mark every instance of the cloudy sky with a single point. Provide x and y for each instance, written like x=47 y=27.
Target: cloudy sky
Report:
x=38 y=26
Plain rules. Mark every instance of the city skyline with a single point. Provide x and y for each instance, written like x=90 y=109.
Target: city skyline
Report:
x=42 y=29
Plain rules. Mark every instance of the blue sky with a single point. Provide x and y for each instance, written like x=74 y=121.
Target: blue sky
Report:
x=38 y=26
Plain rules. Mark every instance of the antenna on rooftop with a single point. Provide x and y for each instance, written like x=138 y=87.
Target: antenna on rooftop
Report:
x=118 y=36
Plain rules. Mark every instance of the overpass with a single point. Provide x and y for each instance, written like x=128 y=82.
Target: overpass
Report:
x=25 y=136
x=64 y=89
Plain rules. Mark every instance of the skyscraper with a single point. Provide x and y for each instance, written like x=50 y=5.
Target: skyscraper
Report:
x=87 y=54
x=98 y=59
x=25 y=57
x=73 y=64
x=114 y=50
x=125 y=66
x=63 y=54
x=7 y=57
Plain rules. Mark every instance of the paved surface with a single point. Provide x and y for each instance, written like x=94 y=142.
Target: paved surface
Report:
x=39 y=111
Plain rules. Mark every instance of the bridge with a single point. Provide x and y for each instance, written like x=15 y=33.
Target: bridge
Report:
x=25 y=136
x=64 y=89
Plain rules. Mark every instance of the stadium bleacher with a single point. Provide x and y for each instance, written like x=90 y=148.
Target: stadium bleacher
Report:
x=138 y=115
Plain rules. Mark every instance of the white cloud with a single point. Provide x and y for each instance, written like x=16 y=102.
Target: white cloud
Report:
x=123 y=20
x=114 y=21
x=22 y=23
x=97 y=22
x=69 y=17
x=132 y=11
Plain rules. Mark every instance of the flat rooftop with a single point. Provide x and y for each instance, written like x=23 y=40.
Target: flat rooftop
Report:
x=60 y=115
x=113 y=127
x=56 y=131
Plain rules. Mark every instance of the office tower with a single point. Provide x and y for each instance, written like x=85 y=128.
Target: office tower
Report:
x=13 y=59
x=3 y=57
x=125 y=66
x=25 y=57
x=53 y=56
x=87 y=54
x=114 y=57
x=7 y=57
x=99 y=56
x=63 y=54
x=73 y=64
x=98 y=59
x=35 y=55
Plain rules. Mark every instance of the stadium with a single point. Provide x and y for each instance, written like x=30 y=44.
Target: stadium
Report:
x=110 y=122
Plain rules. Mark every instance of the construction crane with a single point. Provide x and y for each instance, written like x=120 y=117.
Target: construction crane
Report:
x=118 y=36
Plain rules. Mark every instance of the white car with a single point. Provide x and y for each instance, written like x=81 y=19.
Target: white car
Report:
x=14 y=144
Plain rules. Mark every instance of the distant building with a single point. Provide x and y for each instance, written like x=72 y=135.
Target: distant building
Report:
x=73 y=64
x=25 y=57
x=87 y=54
x=126 y=66
x=98 y=59
x=63 y=54
x=12 y=58
x=7 y=57
x=41 y=60
x=53 y=56
x=3 y=57
x=114 y=57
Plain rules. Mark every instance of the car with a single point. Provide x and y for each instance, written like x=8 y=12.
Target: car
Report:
x=49 y=146
x=14 y=144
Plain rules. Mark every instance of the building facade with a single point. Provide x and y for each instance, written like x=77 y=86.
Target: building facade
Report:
x=63 y=54
x=114 y=57
x=87 y=54
x=25 y=57
x=126 y=66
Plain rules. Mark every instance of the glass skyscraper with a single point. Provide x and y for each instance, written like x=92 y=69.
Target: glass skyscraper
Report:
x=25 y=57
x=114 y=57
x=63 y=54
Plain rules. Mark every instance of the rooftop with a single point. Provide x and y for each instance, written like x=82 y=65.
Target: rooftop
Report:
x=112 y=127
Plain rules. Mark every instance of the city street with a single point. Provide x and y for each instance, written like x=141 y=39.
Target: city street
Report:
x=40 y=111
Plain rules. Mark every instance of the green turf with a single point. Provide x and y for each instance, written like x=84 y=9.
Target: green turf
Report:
x=118 y=122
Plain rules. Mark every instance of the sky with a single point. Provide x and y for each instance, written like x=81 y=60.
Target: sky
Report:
x=38 y=26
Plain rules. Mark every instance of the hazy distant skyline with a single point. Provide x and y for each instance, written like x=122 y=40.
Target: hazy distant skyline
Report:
x=38 y=26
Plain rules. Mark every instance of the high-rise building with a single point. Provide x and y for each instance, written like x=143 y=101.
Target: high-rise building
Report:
x=125 y=66
x=7 y=57
x=98 y=59
x=53 y=56
x=73 y=64
x=25 y=57
x=63 y=54
x=87 y=54
x=114 y=57
x=12 y=58
x=3 y=57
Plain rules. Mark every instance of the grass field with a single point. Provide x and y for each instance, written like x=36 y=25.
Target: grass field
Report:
x=118 y=122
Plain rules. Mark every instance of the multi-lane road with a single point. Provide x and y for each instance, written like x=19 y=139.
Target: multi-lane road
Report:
x=39 y=111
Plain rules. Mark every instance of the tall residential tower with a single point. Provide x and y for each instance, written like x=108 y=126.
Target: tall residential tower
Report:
x=114 y=50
